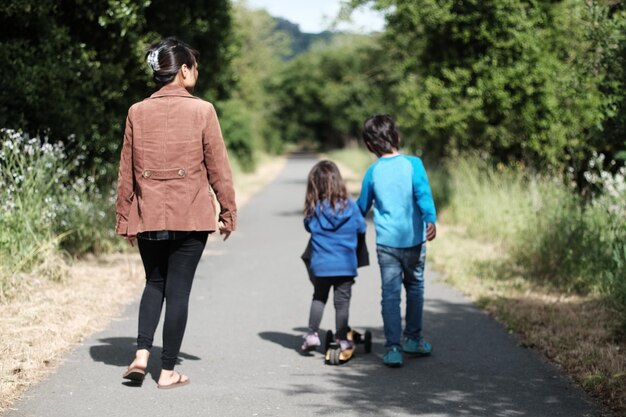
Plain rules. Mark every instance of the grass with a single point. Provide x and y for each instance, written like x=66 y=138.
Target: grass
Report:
x=556 y=238
x=549 y=267
x=46 y=319
x=46 y=215
x=576 y=332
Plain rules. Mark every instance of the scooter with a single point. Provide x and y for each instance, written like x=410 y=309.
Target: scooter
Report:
x=334 y=354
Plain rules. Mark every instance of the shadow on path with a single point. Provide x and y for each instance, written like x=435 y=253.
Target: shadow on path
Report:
x=290 y=213
x=292 y=341
x=286 y=340
x=475 y=369
x=120 y=351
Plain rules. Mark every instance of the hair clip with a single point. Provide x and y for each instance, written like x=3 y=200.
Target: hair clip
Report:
x=153 y=60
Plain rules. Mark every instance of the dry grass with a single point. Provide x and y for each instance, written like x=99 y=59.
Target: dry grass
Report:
x=49 y=318
x=575 y=332
x=46 y=318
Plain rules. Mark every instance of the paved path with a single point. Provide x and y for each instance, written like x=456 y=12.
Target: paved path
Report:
x=249 y=304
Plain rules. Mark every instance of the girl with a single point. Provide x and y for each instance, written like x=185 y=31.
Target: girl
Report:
x=173 y=149
x=334 y=222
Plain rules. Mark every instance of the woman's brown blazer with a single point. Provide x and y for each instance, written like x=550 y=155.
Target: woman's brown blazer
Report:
x=173 y=149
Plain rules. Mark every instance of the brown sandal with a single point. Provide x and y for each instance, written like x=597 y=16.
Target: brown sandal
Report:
x=135 y=374
x=176 y=384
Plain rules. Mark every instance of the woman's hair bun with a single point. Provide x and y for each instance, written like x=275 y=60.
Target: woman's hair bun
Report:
x=167 y=57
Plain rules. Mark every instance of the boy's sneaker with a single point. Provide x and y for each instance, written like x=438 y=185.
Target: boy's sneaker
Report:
x=393 y=357
x=417 y=346
x=346 y=345
x=311 y=341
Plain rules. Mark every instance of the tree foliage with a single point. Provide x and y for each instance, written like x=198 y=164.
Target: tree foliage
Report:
x=301 y=42
x=257 y=49
x=71 y=68
x=207 y=26
x=540 y=82
x=518 y=80
x=325 y=94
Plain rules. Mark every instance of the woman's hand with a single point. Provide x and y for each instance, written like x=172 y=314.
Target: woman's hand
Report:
x=131 y=240
x=223 y=231
x=431 y=231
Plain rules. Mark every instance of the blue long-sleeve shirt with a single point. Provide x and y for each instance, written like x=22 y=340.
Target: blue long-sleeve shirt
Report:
x=334 y=239
x=403 y=202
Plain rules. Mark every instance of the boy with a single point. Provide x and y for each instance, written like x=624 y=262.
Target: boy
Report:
x=398 y=186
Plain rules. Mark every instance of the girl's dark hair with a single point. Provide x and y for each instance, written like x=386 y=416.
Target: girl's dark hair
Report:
x=380 y=134
x=325 y=183
x=168 y=56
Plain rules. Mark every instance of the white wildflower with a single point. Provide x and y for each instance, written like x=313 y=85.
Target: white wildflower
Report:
x=46 y=148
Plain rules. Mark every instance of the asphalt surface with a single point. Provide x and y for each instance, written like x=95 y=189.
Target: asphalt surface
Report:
x=249 y=307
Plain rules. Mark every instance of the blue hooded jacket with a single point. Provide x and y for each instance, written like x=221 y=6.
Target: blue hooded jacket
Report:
x=334 y=239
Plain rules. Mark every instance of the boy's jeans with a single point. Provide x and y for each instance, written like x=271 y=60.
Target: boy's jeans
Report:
x=400 y=266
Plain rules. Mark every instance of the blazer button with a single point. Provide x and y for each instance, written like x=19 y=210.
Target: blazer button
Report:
x=181 y=172
x=147 y=173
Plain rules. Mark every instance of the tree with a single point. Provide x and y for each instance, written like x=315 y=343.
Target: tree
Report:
x=326 y=94
x=255 y=47
x=207 y=26
x=71 y=68
x=509 y=78
x=606 y=32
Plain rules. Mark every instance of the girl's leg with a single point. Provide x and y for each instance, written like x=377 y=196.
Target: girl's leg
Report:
x=184 y=256
x=342 y=294
x=154 y=258
x=320 y=296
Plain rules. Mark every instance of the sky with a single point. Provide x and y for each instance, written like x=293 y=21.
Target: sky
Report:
x=317 y=15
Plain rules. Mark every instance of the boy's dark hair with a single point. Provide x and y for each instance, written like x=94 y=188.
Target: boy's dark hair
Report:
x=380 y=134
x=325 y=183
x=167 y=57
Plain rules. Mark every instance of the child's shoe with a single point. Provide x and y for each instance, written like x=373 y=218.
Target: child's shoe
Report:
x=346 y=344
x=393 y=357
x=311 y=341
x=417 y=346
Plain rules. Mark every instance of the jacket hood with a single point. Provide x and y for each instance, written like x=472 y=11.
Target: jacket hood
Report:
x=332 y=219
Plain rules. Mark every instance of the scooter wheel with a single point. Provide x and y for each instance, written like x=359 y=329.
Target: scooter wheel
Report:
x=330 y=338
x=367 y=341
x=334 y=356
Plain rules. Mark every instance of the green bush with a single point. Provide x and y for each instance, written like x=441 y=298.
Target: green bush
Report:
x=555 y=236
x=45 y=213
x=239 y=133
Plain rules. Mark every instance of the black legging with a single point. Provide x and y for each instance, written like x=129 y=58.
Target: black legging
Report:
x=170 y=267
x=342 y=292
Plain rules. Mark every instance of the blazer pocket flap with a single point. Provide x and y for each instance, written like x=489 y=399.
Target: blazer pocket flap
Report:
x=164 y=174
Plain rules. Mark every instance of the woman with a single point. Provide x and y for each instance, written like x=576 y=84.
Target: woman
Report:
x=173 y=149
